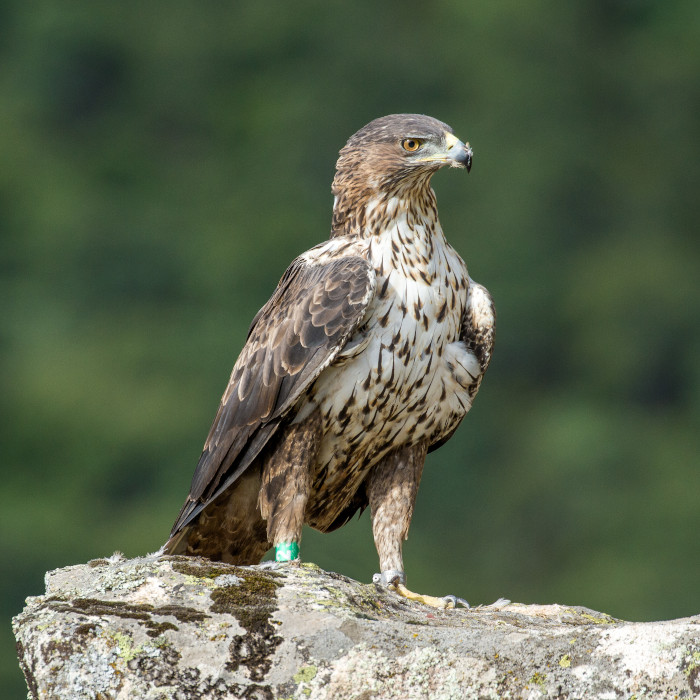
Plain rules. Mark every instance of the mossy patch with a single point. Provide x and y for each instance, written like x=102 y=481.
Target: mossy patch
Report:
x=691 y=669
x=305 y=674
x=143 y=612
x=363 y=616
x=601 y=619
x=538 y=679
x=181 y=613
x=166 y=668
x=157 y=628
x=209 y=571
x=92 y=606
x=61 y=648
x=125 y=646
x=693 y=663
x=251 y=602
x=362 y=602
x=28 y=671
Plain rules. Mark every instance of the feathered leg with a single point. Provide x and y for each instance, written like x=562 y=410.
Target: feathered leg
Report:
x=286 y=485
x=392 y=487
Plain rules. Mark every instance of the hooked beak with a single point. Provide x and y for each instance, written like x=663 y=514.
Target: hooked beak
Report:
x=459 y=155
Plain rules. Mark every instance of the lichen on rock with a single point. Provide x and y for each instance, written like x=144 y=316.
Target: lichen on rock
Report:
x=177 y=627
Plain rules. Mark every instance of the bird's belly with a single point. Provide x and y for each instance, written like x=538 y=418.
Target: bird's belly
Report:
x=400 y=388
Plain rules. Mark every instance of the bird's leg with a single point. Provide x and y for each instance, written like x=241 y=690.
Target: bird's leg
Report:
x=283 y=498
x=286 y=484
x=392 y=488
x=287 y=551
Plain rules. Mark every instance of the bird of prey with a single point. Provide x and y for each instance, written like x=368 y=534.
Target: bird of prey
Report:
x=367 y=356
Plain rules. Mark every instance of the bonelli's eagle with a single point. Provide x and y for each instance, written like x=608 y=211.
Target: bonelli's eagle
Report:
x=367 y=357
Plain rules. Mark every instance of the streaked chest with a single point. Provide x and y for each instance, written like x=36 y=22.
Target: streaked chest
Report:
x=386 y=390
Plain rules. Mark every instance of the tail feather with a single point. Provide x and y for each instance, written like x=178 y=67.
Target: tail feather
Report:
x=228 y=529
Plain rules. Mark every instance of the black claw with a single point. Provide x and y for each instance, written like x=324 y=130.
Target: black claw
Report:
x=456 y=601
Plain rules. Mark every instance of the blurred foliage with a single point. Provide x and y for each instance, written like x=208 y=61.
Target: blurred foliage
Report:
x=162 y=165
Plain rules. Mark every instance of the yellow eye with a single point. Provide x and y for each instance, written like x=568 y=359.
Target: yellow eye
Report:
x=411 y=145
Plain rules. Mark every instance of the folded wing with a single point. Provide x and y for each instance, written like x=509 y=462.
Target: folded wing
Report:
x=293 y=338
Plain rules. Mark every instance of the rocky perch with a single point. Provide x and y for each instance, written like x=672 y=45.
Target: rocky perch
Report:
x=175 y=627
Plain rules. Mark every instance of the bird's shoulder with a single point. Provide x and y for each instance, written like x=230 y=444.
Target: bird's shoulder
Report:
x=337 y=248
x=479 y=323
x=480 y=305
x=320 y=299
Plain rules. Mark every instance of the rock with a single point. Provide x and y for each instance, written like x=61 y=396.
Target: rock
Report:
x=176 y=627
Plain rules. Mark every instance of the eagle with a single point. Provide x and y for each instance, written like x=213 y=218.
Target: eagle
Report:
x=367 y=356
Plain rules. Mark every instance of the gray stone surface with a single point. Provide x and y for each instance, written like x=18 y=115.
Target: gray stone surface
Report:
x=174 y=627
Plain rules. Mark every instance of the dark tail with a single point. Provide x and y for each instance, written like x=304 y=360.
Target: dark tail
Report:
x=228 y=529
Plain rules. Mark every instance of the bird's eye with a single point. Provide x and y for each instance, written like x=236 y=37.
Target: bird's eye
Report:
x=411 y=145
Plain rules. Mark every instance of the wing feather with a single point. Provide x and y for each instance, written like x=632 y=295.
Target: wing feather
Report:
x=293 y=338
x=478 y=334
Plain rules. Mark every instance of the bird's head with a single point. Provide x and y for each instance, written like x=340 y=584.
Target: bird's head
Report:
x=392 y=156
x=401 y=147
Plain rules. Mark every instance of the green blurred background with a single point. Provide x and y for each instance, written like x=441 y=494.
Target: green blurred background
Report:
x=162 y=163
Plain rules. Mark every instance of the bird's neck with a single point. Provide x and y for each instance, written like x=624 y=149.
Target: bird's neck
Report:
x=402 y=230
x=368 y=213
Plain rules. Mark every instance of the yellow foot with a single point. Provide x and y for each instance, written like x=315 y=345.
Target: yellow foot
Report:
x=449 y=601
x=395 y=581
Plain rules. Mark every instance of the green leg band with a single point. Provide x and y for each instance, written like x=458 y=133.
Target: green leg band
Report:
x=287 y=551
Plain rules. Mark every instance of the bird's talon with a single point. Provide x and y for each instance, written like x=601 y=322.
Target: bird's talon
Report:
x=395 y=582
x=454 y=601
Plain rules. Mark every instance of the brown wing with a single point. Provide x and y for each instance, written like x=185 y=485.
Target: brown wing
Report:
x=296 y=335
